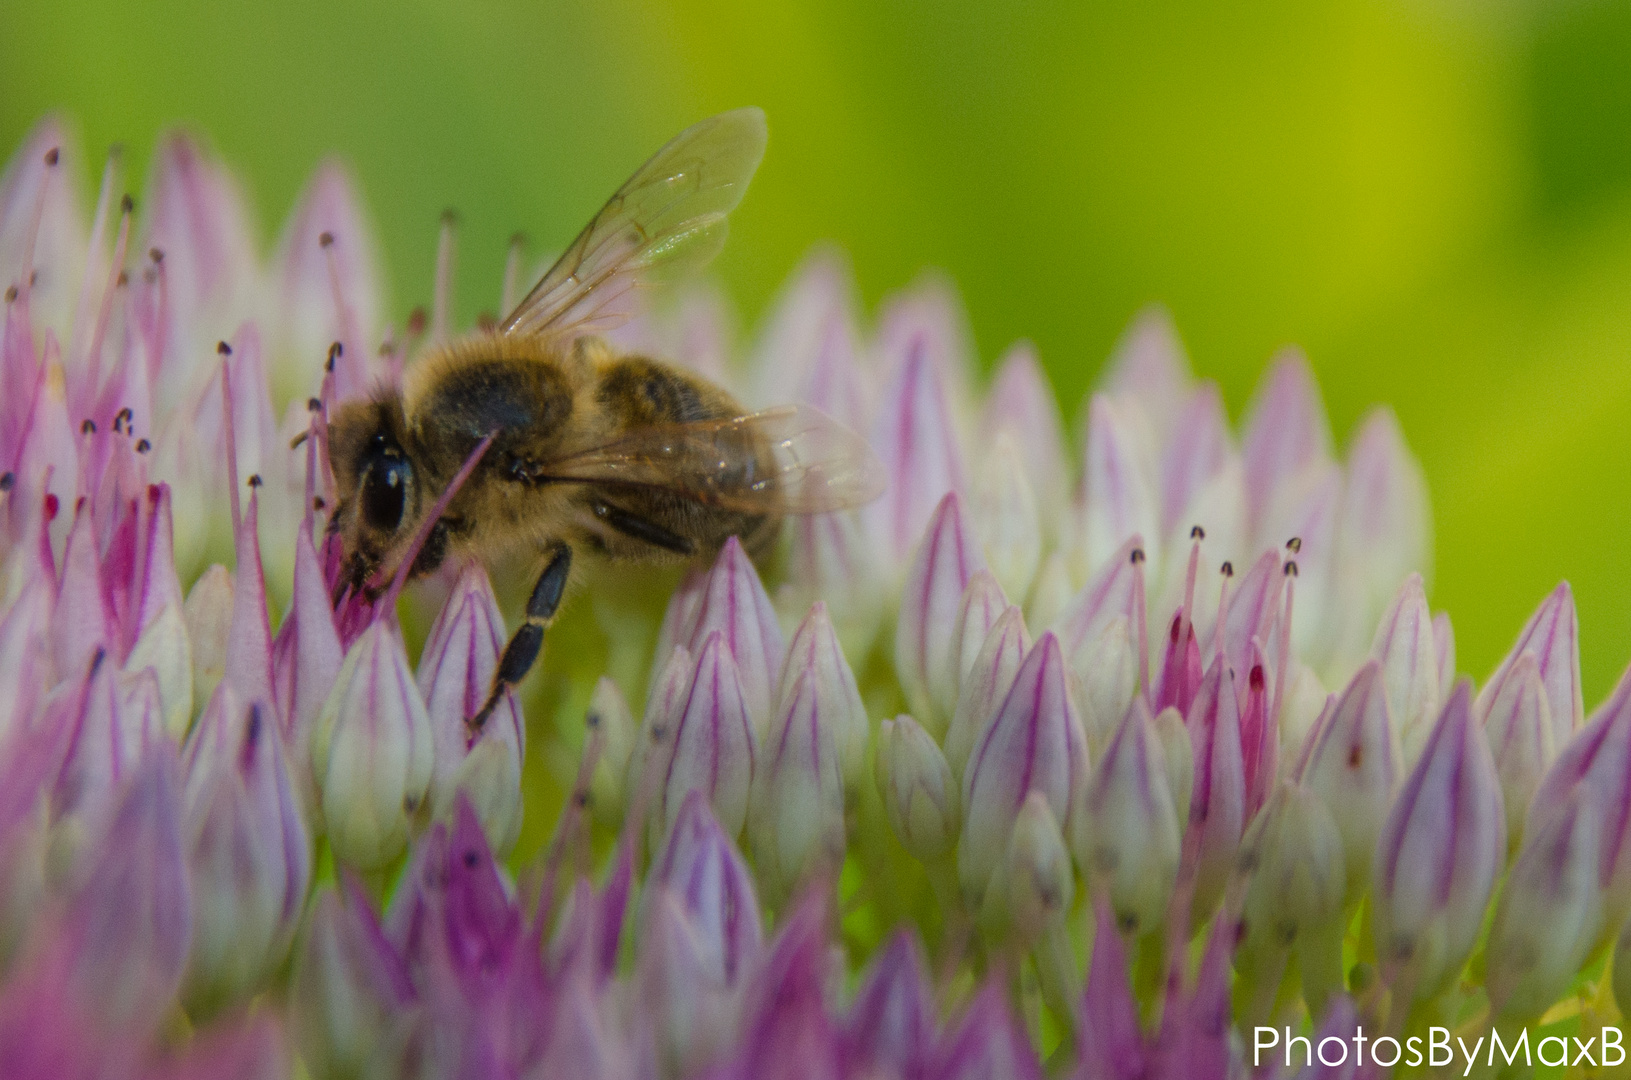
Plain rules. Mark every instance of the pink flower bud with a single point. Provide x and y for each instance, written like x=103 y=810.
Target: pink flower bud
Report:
x=890 y=1025
x=1217 y=803
x=815 y=655
x=987 y=1043
x=653 y=744
x=1518 y=724
x=1119 y=498
x=455 y=675
x=131 y=914
x=1552 y=634
x=983 y=604
x=1039 y=882
x=81 y=625
x=1021 y=404
x=1149 y=368
x=700 y=868
x=306 y=661
x=249 y=635
x=691 y=1011
x=914 y=435
x=1444 y=645
x=248 y=852
x=352 y=1003
x=1035 y=743
x=1386 y=520
x=734 y=603
x=1286 y=430
x=927 y=631
x=109 y=725
x=372 y=752
x=1440 y=852
x=712 y=747
x=1550 y=915
x=1125 y=831
x=1110 y=1045
x=1406 y=648
x=327 y=292
x=1006 y=518
x=1352 y=761
x=797 y=800
x=1117 y=590
x=919 y=794
x=986 y=685
x=1298 y=868
x=810 y=342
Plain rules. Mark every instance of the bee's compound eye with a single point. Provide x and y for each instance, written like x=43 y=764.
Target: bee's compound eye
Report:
x=385 y=492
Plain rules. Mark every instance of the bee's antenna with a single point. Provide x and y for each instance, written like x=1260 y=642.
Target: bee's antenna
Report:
x=388 y=601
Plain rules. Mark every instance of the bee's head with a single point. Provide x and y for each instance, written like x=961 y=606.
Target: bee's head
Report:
x=377 y=484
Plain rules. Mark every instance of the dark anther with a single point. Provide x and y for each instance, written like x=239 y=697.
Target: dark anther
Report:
x=123 y=280
x=123 y=417
x=450 y=216
x=127 y=204
x=314 y=404
x=1137 y=556
x=1291 y=568
x=416 y=321
x=8 y=481
x=1197 y=533
x=51 y=156
x=580 y=799
x=1295 y=544
x=518 y=238
x=1255 y=679
x=591 y=720
x=223 y=348
x=471 y=858
x=143 y=446
x=155 y=254
x=255 y=480
x=325 y=239
x=88 y=427
x=11 y=293
x=486 y=320
x=1228 y=569
x=317 y=502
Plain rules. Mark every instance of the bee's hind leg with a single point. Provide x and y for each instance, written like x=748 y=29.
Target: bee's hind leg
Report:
x=528 y=639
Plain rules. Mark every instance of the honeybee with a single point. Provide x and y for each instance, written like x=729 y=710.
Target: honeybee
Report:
x=537 y=437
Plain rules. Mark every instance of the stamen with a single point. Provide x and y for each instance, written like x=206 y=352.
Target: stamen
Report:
x=1282 y=658
x=117 y=277
x=388 y=603
x=51 y=158
x=1218 y=632
x=1195 y=533
x=441 y=311
x=1141 y=631
x=509 y=297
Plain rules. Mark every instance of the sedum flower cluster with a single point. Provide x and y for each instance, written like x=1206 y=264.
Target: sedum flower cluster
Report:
x=1045 y=763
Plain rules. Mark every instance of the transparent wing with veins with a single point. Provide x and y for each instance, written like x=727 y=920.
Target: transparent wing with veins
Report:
x=670 y=216
x=793 y=459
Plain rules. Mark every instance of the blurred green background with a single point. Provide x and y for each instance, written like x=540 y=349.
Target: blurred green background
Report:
x=1433 y=197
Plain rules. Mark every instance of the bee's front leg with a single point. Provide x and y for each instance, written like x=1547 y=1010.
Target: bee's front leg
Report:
x=528 y=639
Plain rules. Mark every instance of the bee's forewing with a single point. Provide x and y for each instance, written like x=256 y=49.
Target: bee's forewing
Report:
x=668 y=216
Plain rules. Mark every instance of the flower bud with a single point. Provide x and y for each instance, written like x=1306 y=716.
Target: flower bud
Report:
x=1406 y=649
x=1180 y=758
x=1125 y=830
x=307 y=660
x=249 y=637
x=455 y=676
x=982 y=605
x=1440 y=852
x=734 y=603
x=1298 y=868
x=1006 y=518
x=914 y=435
x=1353 y=762
x=1385 y=519
x=1111 y=1046
x=1118 y=484
x=987 y=1042
x=1549 y=917
x=208 y=616
x=928 y=644
x=832 y=559
x=1021 y=405
x=890 y=1025
x=609 y=714
x=653 y=745
x=1217 y=804
x=700 y=867
x=81 y=623
x=108 y=732
x=797 y=799
x=1041 y=882
x=692 y=1011
x=372 y=752
x=131 y=914
x=248 y=852
x=1518 y=724
x=164 y=650
x=986 y=685
x=816 y=654
x=352 y=1004
x=1106 y=674
x=713 y=747
x=1286 y=430
x=1552 y=634
x=1034 y=743
x=919 y=794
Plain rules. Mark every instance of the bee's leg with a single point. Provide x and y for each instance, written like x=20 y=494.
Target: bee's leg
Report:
x=528 y=639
